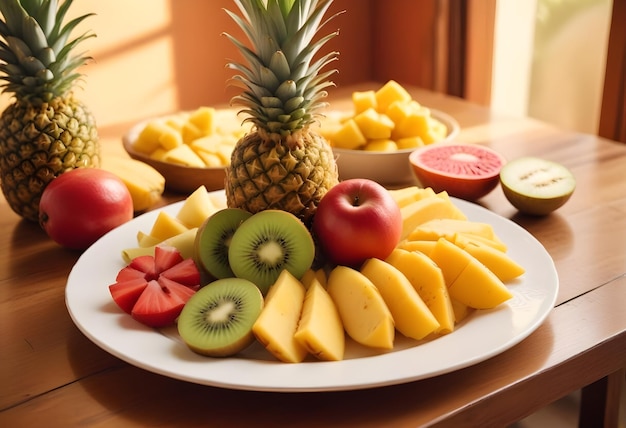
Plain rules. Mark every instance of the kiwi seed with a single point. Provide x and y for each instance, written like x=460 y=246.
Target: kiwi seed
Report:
x=266 y=244
x=213 y=239
x=217 y=320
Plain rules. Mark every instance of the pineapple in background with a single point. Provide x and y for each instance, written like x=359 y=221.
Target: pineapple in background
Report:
x=283 y=163
x=45 y=131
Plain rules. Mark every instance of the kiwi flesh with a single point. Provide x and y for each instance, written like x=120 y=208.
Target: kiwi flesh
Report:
x=266 y=244
x=536 y=186
x=217 y=320
x=213 y=239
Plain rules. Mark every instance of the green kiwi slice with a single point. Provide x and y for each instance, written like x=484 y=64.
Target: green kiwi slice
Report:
x=536 y=186
x=266 y=244
x=213 y=239
x=217 y=320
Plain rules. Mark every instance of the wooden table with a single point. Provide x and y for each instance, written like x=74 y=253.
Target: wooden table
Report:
x=50 y=374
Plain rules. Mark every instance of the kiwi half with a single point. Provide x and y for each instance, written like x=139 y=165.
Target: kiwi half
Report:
x=266 y=244
x=536 y=186
x=213 y=239
x=217 y=320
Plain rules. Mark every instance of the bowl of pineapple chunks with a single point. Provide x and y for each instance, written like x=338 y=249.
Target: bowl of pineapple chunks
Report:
x=375 y=139
x=189 y=148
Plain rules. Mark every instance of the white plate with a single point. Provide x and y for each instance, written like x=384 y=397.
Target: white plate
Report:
x=481 y=336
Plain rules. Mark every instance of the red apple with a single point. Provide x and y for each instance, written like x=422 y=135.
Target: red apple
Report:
x=357 y=219
x=81 y=205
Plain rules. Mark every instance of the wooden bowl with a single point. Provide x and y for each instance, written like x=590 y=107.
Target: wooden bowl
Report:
x=178 y=178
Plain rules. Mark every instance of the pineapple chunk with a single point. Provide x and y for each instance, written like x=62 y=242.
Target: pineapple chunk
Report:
x=415 y=124
x=381 y=146
x=190 y=132
x=409 y=143
x=170 y=138
x=390 y=92
x=364 y=100
x=349 y=136
x=203 y=119
x=165 y=226
x=196 y=209
x=183 y=155
x=374 y=125
x=148 y=139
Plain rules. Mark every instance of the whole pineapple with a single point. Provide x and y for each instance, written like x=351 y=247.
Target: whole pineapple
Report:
x=283 y=163
x=45 y=131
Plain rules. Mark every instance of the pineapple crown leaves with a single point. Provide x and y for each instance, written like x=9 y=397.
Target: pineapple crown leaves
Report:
x=282 y=85
x=37 y=62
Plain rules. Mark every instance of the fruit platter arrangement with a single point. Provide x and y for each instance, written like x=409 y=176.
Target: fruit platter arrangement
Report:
x=286 y=266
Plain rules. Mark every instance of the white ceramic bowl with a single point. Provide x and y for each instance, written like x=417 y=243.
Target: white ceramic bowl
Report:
x=387 y=168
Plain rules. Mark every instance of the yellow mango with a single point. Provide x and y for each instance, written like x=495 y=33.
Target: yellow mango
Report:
x=390 y=92
x=364 y=314
x=374 y=125
x=320 y=330
x=165 y=226
x=503 y=266
x=463 y=239
x=311 y=275
x=183 y=155
x=196 y=208
x=348 y=136
x=411 y=315
x=478 y=287
x=381 y=146
x=451 y=259
x=461 y=310
x=406 y=195
x=276 y=325
x=425 y=247
x=448 y=227
x=419 y=212
x=363 y=100
x=144 y=183
x=427 y=279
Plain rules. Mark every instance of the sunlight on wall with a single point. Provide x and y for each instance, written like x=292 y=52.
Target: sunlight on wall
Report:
x=549 y=60
x=131 y=76
x=568 y=64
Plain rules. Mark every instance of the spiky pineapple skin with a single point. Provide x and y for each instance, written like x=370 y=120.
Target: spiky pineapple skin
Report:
x=40 y=142
x=267 y=175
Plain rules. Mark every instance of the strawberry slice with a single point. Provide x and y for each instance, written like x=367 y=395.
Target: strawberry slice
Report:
x=126 y=292
x=185 y=272
x=157 y=306
x=154 y=289
x=166 y=257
